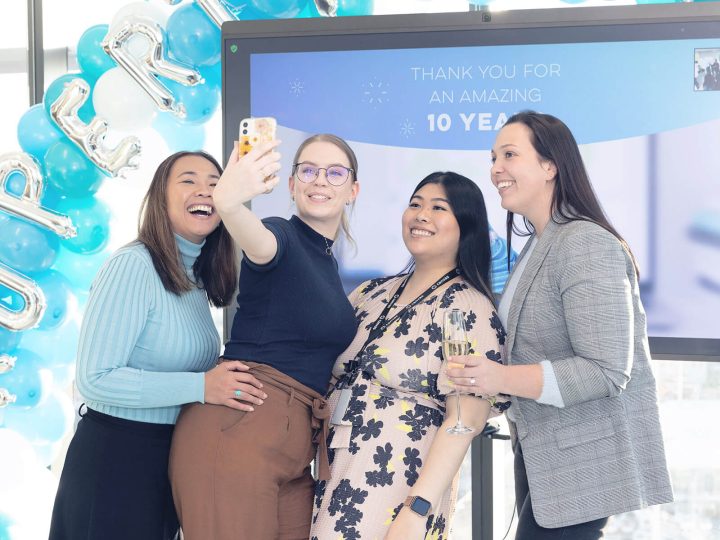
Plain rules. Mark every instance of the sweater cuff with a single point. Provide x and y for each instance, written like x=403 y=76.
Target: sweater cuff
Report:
x=199 y=387
x=551 y=391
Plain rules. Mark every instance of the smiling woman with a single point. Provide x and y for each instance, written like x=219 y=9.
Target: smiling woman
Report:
x=147 y=346
x=293 y=320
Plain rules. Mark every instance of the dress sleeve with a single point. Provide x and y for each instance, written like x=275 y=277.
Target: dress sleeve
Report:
x=484 y=331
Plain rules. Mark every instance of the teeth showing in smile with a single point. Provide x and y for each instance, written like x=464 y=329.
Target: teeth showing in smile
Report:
x=504 y=184
x=420 y=232
x=201 y=209
x=317 y=197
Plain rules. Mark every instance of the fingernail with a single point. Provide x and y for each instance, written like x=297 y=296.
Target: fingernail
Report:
x=252 y=409
x=261 y=402
x=264 y=396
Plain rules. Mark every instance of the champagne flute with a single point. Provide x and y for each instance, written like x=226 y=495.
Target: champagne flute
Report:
x=455 y=343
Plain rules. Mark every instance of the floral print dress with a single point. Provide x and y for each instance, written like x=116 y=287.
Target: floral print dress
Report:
x=396 y=406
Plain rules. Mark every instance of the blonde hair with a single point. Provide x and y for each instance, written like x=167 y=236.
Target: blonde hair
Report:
x=352 y=158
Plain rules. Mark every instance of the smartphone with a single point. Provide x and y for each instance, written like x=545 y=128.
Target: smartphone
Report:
x=254 y=131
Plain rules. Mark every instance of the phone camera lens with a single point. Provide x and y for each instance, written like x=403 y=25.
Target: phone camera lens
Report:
x=244 y=131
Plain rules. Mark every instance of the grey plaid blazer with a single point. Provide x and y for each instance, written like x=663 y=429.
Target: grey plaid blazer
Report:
x=578 y=305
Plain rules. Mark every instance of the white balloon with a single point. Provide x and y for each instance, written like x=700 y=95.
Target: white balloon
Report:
x=122 y=102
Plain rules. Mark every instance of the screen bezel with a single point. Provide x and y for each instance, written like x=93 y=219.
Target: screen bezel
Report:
x=474 y=28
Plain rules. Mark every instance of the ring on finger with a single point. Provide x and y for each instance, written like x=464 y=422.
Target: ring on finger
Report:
x=238 y=394
x=472 y=381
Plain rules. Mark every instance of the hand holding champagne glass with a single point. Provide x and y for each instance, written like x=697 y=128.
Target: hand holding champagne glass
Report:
x=455 y=344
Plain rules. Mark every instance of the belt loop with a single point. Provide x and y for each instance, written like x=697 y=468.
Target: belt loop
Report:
x=291 y=396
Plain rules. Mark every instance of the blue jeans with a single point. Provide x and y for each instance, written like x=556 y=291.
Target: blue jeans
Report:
x=528 y=528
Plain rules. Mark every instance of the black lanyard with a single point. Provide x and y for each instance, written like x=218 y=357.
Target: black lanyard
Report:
x=382 y=323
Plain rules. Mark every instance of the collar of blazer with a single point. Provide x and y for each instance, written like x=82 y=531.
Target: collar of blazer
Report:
x=544 y=242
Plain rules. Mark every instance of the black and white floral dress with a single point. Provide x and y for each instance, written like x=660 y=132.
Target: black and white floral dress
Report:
x=397 y=405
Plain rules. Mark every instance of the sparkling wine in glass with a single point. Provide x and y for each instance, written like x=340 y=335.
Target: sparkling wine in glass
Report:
x=455 y=343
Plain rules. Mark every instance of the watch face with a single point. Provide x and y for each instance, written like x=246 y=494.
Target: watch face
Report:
x=420 y=506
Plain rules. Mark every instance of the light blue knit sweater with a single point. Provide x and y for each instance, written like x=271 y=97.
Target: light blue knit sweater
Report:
x=143 y=351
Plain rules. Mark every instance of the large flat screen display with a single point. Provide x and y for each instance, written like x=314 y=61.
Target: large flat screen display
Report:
x=639 y=87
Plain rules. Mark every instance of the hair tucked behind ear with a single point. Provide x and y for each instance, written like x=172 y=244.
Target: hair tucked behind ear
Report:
x=573 y=195
x=468 y=206
x=350 y=154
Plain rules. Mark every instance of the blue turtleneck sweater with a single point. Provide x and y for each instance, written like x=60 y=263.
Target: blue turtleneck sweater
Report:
x=143 y=350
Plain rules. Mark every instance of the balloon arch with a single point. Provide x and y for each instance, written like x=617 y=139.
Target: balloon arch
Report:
x=142 y=70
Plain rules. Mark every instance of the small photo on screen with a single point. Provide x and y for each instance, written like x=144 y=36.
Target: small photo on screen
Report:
x=707 y=69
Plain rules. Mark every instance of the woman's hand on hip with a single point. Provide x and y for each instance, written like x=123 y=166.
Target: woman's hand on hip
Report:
x=229 y=384
x=479 y=376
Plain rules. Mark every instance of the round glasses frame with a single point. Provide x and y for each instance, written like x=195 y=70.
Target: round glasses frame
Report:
x=330 y=179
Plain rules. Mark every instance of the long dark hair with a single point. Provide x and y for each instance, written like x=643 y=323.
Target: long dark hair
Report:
x=573 y=196
x=468 y=206
x=215 y=268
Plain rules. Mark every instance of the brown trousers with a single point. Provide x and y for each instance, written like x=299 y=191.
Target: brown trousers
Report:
x=242 y=476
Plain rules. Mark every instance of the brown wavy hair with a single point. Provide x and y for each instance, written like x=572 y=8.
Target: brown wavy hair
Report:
x=215 y=269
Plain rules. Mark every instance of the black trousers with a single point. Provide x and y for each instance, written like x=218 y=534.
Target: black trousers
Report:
x=528 y=528
x=114 y=485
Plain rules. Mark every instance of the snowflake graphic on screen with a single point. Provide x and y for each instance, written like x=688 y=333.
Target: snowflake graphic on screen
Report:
x=376 y=92
x=407 y=128
x=297 y=87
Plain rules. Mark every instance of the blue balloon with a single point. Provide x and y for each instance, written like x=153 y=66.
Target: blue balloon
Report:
x=91 y=56
x=179 y=135
x=193 y=38
x=79 y=269
x=44 y=424
x=29 y=380
x=212 y=75
x=69 y=170
x=87 y=111
x=26 y=247
x=200 y=101
x=11 y=300
x=5 y=523
x=58 y=294
x=279 y=9
x=36 y=131
x=9 y=339
x=57 y=349
x=91 y=218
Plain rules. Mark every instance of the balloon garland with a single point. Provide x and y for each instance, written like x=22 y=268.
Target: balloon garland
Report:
x=140 y=70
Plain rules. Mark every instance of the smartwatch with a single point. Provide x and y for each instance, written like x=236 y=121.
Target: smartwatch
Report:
x=418 y=505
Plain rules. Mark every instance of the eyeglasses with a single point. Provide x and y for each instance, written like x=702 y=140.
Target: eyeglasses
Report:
x=336 y=175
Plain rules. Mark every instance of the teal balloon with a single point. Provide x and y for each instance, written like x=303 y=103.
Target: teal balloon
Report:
x=79 y=269
x=91 y=56
x=9 y=339
x=5 y=523
x=44 y=424
x=29 y=380
x=91 y=218
x=58 y=294
x=192 y=37
x=26 y=247
x=55 y=346
x=87 y=111
x=36 y=131
x=70 y=171
x=15 y=183
x=11 y=300
x=212 y=75
x=179 y=135
x=200 y=101
x=279 y=9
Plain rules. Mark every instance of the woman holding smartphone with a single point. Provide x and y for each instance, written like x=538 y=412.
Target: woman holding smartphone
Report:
x=246 y=475
x=584 y=420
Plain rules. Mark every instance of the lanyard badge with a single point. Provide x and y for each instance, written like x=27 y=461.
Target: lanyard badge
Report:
x=376 y=330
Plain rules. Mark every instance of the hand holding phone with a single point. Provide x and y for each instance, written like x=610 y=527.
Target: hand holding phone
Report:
x=254 y=131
